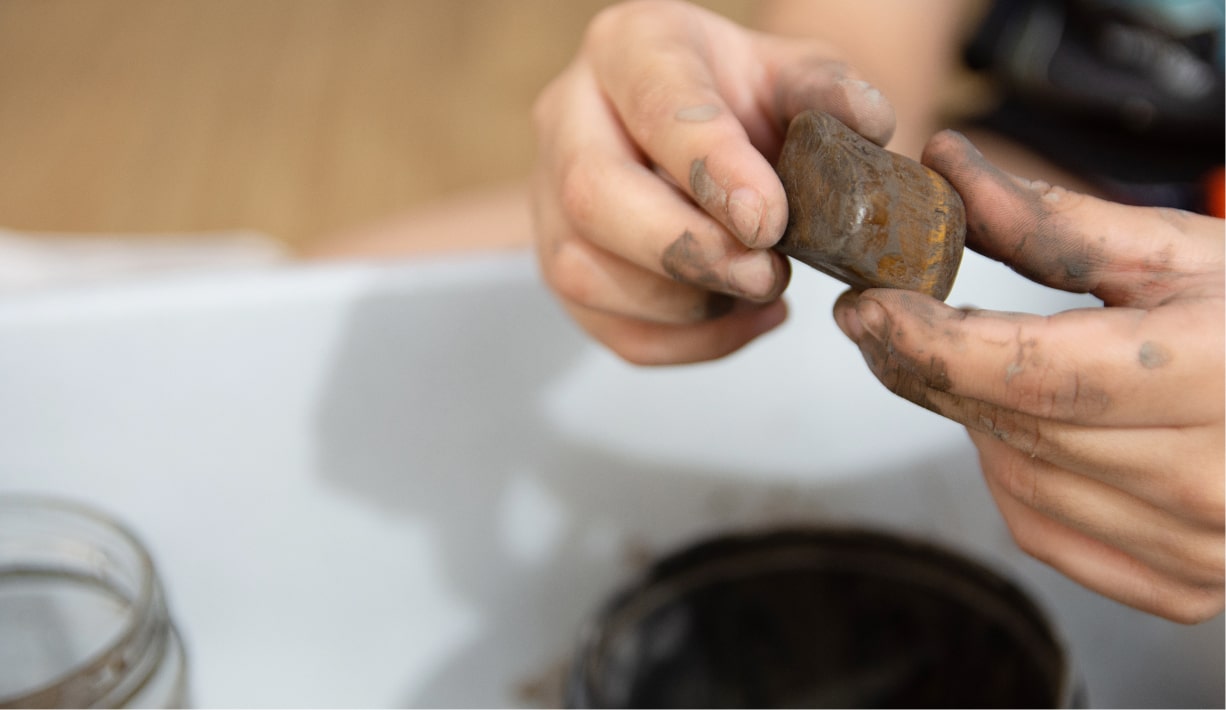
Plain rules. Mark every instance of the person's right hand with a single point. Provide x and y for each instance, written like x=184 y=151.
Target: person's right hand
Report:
x=1100 y=430
x=654 y=198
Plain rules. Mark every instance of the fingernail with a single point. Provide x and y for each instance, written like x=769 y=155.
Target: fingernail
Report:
x=870 y=93
x=753 y=275
x=873 y=114
x=873 y=318
x=971 y=148
x=745 y=211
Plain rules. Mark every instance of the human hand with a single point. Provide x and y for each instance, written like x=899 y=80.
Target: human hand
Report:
x=654 y=198
x=1100 y=431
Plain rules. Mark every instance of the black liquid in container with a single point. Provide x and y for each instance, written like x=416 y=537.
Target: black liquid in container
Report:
x=820 y=618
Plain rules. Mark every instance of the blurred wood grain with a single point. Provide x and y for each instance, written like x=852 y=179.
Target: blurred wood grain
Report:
x=297 y=118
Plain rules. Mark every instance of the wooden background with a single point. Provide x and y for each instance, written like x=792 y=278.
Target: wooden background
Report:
x=297 y=118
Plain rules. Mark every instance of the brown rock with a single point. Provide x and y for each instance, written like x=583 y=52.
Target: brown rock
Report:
x=866 y=216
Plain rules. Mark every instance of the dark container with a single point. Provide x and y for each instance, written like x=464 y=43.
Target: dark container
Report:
x=820 y=618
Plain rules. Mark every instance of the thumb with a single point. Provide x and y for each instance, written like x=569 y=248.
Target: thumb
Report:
x=1127 y=256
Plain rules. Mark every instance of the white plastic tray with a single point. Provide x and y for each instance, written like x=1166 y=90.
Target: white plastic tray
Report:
x=408 y=484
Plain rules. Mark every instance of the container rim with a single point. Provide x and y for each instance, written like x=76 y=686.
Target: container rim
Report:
x=136 y=623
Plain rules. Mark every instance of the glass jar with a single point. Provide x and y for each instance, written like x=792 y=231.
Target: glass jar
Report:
x=83 y=619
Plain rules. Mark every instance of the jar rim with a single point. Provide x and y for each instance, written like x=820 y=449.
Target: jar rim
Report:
x=140 y=619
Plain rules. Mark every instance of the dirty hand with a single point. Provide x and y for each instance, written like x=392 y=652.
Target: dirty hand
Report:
x=654 y=197
x=1100 y=431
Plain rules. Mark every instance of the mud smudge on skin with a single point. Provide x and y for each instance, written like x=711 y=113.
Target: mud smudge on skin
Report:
x=698 y=114
x=861 y=87
x=911 y=379
x=936 y=316
x=1152 y=355
x=988 y=426
x=1013 y=223
x=1025 y=355
x=873 y=114
x=1075 y=269
x=708 y=192
x=935 y=373
x=685 y=261
x=1162 y=259
x=1177 y=218
x=930 y=311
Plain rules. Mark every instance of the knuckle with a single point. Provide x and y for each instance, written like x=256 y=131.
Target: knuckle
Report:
x=1191 y=604
x=1054 y=391
x=1033 y=383
x=1075 y=396
x=1004 y=425
x=619 y=21
x=1205 y=561
x=642 y=352
x=1200 y=490
x=607 y=19
x=1053 y=395
x=544 y=108
x=1201 y=499
x=1029 y=541
x=1186 y=596
x=622 y=22
x=577 y=192
x=651 y=100
x=606 y=22
x=1179 y=221
x=626 y=339
x=638 y=356
x=676 y=345
x=570 y=273
x=1019 y=481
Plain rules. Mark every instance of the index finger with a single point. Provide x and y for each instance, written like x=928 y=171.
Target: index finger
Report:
x=700 y=96
x=1125 y=255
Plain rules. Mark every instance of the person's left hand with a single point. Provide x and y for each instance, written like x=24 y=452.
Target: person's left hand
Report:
x=1100 y=431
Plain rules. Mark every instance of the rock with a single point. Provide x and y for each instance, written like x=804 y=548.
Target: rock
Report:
x=866 y=216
